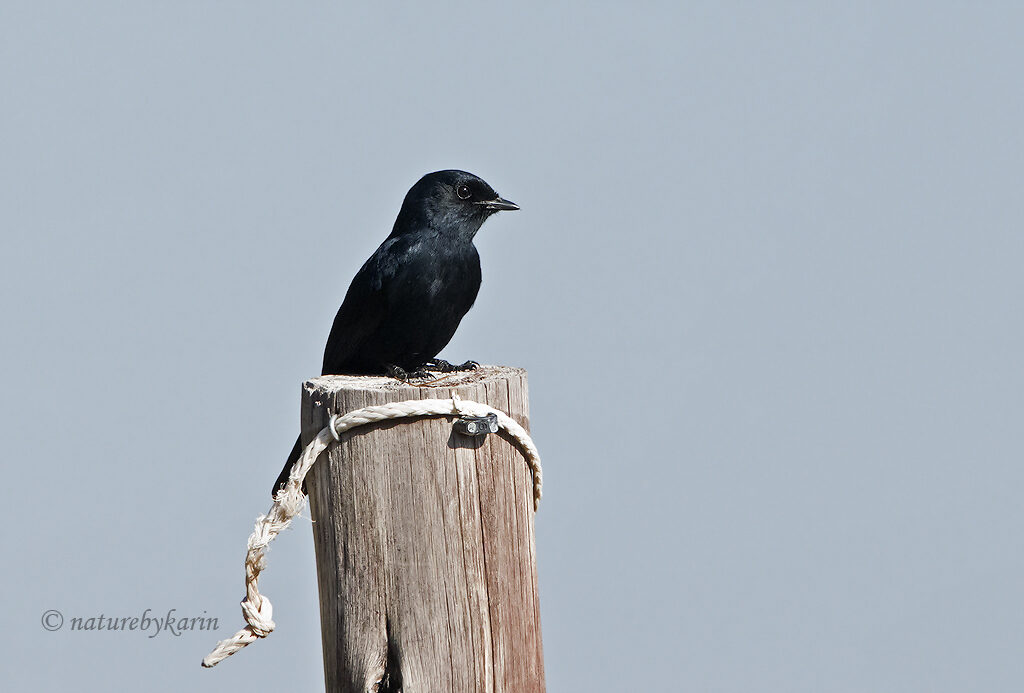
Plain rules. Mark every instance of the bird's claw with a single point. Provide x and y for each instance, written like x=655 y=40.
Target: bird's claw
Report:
x=442 y=366
x=436 y=365
x=399 y=373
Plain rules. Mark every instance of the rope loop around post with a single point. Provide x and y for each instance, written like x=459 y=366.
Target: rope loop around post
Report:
x=288 y=503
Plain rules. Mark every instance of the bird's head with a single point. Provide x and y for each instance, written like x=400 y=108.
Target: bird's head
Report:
x=451 y=202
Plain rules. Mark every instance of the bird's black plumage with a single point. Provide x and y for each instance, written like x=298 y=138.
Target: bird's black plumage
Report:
x=407 y=300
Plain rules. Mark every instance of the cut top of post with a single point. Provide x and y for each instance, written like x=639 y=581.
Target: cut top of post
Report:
x=381 y=383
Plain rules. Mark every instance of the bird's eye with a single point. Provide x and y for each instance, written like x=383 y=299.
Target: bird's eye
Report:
x=463 y=192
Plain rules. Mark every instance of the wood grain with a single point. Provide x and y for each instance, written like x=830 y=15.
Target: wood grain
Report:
x=424 y=543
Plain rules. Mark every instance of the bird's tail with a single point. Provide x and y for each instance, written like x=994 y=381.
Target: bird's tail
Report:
x=293 y=456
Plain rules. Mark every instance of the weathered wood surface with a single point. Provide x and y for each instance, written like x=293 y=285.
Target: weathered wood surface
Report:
x=424 y=543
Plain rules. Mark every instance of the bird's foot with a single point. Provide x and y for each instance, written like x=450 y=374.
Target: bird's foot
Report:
x=399 y=373
x=442 y=366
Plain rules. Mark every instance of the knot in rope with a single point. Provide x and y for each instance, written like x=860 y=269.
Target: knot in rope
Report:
x=259 y=617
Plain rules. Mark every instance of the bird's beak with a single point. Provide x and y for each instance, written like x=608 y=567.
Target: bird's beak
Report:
x=499 y=204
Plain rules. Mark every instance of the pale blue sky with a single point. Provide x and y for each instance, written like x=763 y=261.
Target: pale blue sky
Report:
x=768 y=260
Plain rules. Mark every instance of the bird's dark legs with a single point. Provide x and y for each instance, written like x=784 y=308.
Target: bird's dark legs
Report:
x=399 y=373
x=436 y=365
x=443 y=366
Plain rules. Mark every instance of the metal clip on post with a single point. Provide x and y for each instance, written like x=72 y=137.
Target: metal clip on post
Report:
x=476 y=426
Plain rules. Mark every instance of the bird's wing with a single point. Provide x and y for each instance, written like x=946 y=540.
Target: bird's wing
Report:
x=364 y=309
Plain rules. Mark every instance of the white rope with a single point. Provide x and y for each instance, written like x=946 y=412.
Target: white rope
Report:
x=289 y=501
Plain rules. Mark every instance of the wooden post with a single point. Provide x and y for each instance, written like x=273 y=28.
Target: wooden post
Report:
x=424 y=543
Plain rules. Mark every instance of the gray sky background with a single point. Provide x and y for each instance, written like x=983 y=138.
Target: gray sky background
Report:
x=769 y=261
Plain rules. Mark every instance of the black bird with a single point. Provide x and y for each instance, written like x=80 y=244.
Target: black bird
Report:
x=406 y=302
